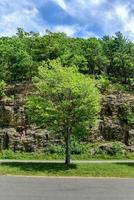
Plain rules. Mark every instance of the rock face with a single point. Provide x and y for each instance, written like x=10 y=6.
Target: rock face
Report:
x=112 y=126
x=12 y=107
x=15 y=131
x=18 y=135
x=31 y=141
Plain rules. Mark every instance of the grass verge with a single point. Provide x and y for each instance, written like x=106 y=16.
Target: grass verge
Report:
x=8 y=154
x=56 y=169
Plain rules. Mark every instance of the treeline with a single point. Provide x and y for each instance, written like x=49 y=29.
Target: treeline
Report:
x=20 y=55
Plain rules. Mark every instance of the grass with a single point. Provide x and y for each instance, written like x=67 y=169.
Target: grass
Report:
x=47 y=156
x=87 y=170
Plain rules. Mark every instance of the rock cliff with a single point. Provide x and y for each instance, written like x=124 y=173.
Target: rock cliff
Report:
x=18 y=135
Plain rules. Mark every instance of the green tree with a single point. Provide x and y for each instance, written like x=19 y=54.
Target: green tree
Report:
x=95 y=56
x=70 y=59
x=21 y=33
x=15 y=62
x=66 y=101
x=120 y=53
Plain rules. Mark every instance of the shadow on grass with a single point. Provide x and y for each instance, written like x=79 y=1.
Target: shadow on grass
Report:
x=131 y=165
x=41 y=167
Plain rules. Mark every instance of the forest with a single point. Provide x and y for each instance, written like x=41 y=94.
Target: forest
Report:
x=110 y=56
x=70 y=76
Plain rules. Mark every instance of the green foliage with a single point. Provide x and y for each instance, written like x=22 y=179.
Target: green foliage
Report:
x=15 y=62
x=103 y=83
x=120 y=53
x=21 y=55
x=117 y=149
x=128 y=114
x=55 y=149
x=7 y=154
x=66 y=99
x=114 y=149
x=77 y=148
x=69 y=59
x=95 y=56
x=2 y=88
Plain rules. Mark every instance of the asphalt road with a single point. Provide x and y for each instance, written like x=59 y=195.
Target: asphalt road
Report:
x=28 y=188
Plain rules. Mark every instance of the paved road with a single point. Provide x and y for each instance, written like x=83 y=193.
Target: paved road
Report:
x=28 y=188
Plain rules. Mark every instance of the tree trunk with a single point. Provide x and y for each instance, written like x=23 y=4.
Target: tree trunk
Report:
x=67 y=149
x=126 y=138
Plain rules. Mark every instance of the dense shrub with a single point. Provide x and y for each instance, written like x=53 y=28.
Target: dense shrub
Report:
x=109 y=149
x=54 y=149
x=103 y=83
x=77 y=148
x=2 y=88
x=127 y=114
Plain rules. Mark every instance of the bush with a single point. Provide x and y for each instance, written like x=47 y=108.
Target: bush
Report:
x=54 y=149
x=120 y=87
x=2 y=88
x=110 y=149
x=117 y=149
x=7 y=154
x=128 y=114
x=103 y=83
x=77 y=148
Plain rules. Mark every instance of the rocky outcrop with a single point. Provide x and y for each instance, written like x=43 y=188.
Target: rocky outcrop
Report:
x=12 y=106
x=112 y=125
x=17 y=134
x=30 y=141
x=15 y=131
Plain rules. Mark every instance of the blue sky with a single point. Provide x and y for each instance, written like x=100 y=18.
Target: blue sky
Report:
x=78 y=18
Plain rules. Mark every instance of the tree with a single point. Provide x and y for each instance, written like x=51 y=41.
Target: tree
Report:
x=66 y=101
x=95 y=56
x=120 y=53
x=15 y=62
x=46 y=47
x=70 y=59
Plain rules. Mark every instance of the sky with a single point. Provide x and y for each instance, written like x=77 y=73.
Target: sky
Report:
x=77 y=18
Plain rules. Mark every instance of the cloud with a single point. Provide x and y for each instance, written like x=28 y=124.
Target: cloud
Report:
x=80 y=9
x=102 y=17
x=69 y=30
x=18 y=14
x=123 y=13
x=61 y=3
x=82 y=18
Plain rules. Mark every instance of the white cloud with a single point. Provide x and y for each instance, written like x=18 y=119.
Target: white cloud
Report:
x=69 y=30
x=122 y=11
x=61 y=3
x=98 y=2
x=107 y=16
x=18 y=14
x=127 y=19
x=120 y=18
x=81 y=9
x=88 y=34
x=89 y=17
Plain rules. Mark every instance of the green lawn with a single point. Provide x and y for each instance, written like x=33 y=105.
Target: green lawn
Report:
x=88 y=170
